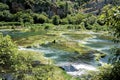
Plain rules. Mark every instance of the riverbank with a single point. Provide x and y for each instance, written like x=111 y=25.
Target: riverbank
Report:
x=70 y=49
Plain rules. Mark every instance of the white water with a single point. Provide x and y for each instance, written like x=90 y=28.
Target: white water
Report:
x=73 y=68
x=82 y=69
x=76 y=68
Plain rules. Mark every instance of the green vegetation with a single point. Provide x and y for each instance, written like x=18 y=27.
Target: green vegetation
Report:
x=55 y=20
x=79 y=51
x=112 y=72
x=56 y=12
x=60 y=25
x=78 y=36
x=21 y=64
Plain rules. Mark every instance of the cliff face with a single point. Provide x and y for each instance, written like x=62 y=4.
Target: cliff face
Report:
x=58 y=7
x=50 y=7
x=95 y=6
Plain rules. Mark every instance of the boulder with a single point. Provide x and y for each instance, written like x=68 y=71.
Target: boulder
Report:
x=69 y=68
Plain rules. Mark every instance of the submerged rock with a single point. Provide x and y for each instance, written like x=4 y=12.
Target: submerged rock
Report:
x=35 y=63
x=69 y=68
x=29 y=47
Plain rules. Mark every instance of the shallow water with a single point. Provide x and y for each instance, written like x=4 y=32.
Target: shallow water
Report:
x=101 y=45
x=64 y=59
x=80 y=66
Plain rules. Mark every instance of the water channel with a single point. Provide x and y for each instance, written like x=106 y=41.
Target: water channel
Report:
x=81 y=66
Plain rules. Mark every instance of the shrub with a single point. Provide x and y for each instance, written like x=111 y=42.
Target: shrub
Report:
x=3 y=7
x=23 y=17
x=8 y=54
x=48 y=26
x=78 y=18
x=40 y=18
x=70 y=19
x=6 y=16
x=56 y=20
x=64 y=21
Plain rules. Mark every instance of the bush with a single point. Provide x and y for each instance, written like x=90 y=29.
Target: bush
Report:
x=79 y=17
x=70 y=19
x=3 y=7
x=98 y=27
x=6 y=16
x=108 y=72
x=48 y=26
x=91 y=20
x=82 y=25
x=8 y=54
x=40 y=18
x=23 y=17
x=56 y=20
x=64 y=21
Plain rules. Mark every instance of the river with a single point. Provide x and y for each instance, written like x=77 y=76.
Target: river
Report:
x=79 y=67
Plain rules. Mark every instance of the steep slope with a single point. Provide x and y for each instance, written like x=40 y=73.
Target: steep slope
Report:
x=95 y=6
x=58 y=7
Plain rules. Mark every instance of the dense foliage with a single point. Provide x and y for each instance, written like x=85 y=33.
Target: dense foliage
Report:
x=37 y=17
x=112 y=18
x=22 y=65
x=41 y=11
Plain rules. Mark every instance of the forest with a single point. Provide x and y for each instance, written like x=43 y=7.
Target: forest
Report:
x=59 y=39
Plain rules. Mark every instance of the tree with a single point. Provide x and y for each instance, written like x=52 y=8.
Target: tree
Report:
x=40 y=18
x=11 y=60
x=6 y=16
x=79 y=17
x=8 y=54
x=56 y=20
x=23 y=17
x=112 y=19
x=3 y=7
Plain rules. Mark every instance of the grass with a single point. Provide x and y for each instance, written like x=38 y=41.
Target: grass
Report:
x=50 y=72
x=79 y=51
x=68 y=46
x=98 y=56
x=106 y=36
x=78 y=36
x=44 y=71
x=34 y=37
x=54 y=40
x=35 y=56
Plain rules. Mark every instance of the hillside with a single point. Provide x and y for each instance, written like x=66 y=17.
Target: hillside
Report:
x=42 y=11
x=50 y=7
x=59 y=7
x=19 y=12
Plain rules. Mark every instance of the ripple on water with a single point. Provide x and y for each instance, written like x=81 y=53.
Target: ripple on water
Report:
x=77 y=69
x=62 y=59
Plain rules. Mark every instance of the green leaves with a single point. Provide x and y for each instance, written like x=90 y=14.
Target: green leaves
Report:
x=24 y=17
x=8 y=52
x=40 y=18
x=56 y=20
x=3 y=7
x=111 y=16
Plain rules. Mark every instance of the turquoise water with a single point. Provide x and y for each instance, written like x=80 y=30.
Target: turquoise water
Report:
x=77 y=67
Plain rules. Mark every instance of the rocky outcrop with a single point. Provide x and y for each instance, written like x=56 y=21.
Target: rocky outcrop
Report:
x=55 y=7
x=95 y=6
x=17 y=6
